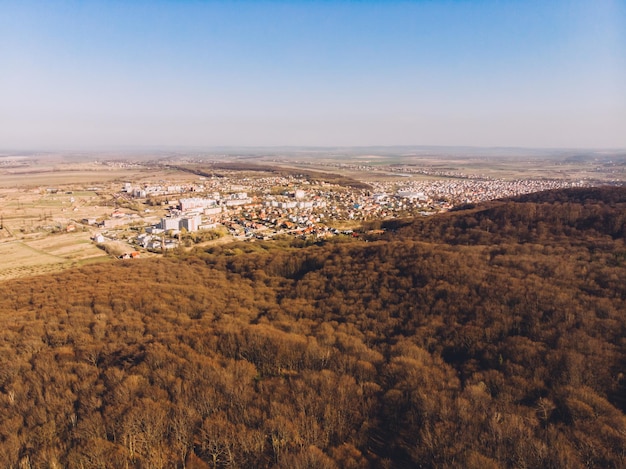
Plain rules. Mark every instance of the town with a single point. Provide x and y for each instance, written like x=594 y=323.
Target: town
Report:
x=163 y=215
x=63 y=211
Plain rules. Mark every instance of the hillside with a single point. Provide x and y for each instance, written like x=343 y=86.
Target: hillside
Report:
x=492 y=336
x=544 y=217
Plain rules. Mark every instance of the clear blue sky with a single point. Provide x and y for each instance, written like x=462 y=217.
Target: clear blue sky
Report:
x=81 y=74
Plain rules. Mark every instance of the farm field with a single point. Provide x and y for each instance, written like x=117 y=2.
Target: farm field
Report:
x=42 y=208
x=24 y=258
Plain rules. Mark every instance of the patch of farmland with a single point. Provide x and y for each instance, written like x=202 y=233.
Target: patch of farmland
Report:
x=70 y=246
x=50 y=254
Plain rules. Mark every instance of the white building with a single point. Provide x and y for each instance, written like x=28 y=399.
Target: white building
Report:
x=196 y=202
x=236 y=202
x=191 y=223
x=213 y=210
x=411 y=195
x=170 y=224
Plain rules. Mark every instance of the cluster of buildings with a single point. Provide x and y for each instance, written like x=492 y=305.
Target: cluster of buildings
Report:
x=267 y=206
x=461 y=191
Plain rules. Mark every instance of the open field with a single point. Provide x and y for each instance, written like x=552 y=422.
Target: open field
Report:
x=49 y=178
x=536 y=167
x=26 y=258
x=376 y=164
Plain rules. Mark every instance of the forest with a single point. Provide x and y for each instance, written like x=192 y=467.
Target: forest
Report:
x=492 y=336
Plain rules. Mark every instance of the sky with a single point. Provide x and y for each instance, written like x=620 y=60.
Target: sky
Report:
x=108 y=74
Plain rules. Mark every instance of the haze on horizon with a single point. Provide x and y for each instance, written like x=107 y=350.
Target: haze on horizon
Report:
x=81 y=75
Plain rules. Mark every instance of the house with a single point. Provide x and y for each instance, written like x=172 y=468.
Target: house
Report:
x=154 y=244
x=130 y=255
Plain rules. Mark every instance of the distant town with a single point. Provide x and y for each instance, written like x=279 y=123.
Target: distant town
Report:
x=249 y=208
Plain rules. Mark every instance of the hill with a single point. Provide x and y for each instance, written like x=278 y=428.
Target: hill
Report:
x=545 y=217
x=487 y=337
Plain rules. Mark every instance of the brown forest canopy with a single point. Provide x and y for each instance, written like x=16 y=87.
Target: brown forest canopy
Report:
x=493 y=336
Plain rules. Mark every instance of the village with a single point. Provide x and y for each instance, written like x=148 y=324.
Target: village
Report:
x=158 y=216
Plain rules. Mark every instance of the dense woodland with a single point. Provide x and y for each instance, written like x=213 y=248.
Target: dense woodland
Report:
x=492 y=336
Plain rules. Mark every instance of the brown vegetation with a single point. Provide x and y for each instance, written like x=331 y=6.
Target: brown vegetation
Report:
x=491 y=337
